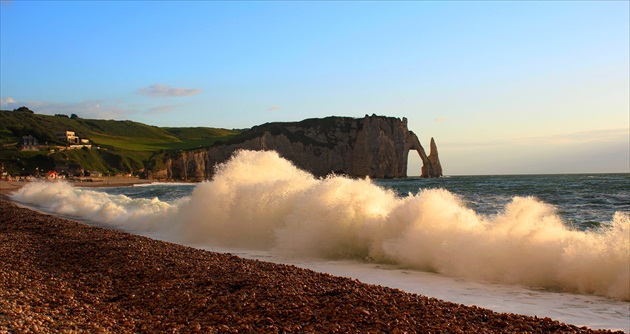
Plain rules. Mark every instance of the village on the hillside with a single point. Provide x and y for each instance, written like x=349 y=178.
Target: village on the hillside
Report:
x=30 y=143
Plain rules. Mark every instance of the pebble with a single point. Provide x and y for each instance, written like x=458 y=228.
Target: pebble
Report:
x=60 y=276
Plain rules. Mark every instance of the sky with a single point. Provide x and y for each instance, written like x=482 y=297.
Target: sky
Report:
x=513 y=87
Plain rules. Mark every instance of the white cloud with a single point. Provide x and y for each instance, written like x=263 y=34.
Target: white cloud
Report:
x=7 y=101
x=160 y=90
x=274 y=108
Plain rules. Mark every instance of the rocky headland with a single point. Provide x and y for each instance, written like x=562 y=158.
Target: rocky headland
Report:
x=373 y=146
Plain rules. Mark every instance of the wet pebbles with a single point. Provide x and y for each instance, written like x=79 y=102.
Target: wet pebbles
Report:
x=60 y=276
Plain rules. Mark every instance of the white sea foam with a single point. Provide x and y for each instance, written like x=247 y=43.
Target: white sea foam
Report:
x=258 y=200
x=174 y=184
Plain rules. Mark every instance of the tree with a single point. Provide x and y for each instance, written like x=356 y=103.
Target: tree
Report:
x=74 y=116
x=24 y=109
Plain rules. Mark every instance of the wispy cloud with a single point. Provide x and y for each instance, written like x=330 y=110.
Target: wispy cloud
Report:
x=441 y=119
x=160 y=90
x=274 y=108
x=86 y=109
x=162 y=109
x=96 y=109
x=558 y=140
x=7 y=102
x=581 y=137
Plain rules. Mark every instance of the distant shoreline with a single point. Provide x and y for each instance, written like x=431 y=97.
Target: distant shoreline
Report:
x=8 y=187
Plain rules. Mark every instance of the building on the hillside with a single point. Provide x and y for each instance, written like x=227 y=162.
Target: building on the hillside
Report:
x=68 y=136
x=28 y=143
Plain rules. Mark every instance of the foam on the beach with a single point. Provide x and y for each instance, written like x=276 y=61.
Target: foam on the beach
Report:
x=258 y=200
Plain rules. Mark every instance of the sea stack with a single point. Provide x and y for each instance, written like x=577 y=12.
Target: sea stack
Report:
x=434 y=160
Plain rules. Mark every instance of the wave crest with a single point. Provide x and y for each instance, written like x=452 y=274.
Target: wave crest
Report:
x=258 y=200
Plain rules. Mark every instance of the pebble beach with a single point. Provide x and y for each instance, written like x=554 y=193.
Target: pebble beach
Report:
x=61 y=276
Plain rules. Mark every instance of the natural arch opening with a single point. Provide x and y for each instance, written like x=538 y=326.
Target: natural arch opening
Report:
x=414 y=164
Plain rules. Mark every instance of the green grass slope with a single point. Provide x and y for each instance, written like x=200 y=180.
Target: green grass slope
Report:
x=125 y=146
x=127 y=135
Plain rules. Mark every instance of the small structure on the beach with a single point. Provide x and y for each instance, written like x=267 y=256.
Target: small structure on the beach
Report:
x=52 y=175
x=93 y=173
x=4 y=174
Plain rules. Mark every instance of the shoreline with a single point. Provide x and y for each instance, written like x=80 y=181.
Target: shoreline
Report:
x=61 y=275
x=7 y=187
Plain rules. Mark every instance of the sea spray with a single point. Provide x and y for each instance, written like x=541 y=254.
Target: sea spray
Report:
x=248 y=199
x=258 y=200
x=525 y=244
x=115 y=210
x=337 y=218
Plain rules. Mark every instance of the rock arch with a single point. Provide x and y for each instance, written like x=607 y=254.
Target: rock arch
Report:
x=372 y=146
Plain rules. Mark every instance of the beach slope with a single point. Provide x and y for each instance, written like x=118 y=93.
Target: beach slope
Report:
x=58 y=275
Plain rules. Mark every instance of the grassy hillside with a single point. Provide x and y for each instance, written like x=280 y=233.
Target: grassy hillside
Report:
x=125 y=146
x=126 y=135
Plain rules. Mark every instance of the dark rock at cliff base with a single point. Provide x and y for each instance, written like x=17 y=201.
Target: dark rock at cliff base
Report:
x=374 y=146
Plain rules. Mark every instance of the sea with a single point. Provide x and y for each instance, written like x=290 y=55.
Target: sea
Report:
x=553 y=246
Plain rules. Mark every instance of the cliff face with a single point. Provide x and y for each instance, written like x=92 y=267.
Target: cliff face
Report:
x=374 y=146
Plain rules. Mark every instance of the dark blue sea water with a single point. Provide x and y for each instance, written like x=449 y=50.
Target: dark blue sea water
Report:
x=584 y=201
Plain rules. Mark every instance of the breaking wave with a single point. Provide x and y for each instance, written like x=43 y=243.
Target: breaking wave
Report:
x=257 y=200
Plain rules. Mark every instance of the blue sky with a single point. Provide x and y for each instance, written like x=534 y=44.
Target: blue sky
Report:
x=503 y=87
